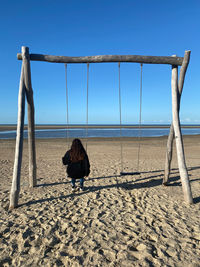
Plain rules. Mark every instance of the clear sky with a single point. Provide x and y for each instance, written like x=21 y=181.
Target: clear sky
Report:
x=100 y=27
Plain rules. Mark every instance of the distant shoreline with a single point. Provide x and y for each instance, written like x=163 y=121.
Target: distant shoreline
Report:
x=12 y=127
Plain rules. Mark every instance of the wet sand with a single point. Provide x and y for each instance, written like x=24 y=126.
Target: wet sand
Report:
x=12 y=127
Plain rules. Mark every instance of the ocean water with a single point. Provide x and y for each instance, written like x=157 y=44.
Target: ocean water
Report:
x=99 y=132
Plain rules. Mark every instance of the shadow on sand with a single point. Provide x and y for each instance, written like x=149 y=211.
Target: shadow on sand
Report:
x=128 y=185
x=137 y=183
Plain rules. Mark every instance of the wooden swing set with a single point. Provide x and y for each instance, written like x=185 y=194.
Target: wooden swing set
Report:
x=25 y=89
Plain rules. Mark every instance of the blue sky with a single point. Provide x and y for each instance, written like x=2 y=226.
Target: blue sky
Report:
x=99 y=27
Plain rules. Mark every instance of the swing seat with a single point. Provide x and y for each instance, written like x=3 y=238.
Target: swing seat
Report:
x=129 y=173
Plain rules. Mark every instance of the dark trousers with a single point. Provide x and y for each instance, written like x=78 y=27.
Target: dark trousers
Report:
x=73 y=181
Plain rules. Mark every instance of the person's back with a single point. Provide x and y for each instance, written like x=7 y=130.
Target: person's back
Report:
x=77 y=162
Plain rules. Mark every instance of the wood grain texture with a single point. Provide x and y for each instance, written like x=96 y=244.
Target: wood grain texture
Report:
x=107 y=58
x=178 y=137
x=169 y=151
x=31 y=119
x=15 y=188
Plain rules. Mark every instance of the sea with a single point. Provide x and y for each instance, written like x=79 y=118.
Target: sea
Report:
x=101 y=132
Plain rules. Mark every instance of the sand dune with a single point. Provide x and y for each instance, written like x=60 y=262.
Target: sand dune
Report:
x=117 y=221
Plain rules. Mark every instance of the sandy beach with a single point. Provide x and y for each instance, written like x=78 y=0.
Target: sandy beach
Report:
x=117 y=220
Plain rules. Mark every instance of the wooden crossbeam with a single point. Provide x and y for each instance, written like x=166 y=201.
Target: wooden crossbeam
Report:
x=177 y=61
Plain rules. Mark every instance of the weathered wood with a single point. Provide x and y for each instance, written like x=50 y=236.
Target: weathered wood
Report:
x=183 y=70
x=169 y=151
x=169 y=154
x=179 y=142
x=31 y=120
x=107 y=58
x=15 y=188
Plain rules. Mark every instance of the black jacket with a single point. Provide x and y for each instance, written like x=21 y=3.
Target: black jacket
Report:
x=77 y=169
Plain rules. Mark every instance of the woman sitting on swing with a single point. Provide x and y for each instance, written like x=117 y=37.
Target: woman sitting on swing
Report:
x=77 y=162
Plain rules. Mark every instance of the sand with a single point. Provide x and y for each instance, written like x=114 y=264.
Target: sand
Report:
x=117 y=221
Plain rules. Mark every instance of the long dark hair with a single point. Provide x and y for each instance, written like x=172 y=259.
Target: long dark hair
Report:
x=77 y=151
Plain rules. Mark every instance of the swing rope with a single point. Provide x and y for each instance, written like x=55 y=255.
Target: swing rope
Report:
x=140 y=119
x=140 y=122
x=87 y=106
x=67 y=103
x=120 y=120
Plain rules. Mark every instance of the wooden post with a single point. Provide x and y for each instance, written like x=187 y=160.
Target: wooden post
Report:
x=31 y=120
x=15 y=188
x=169 y=152
x=179 y=142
